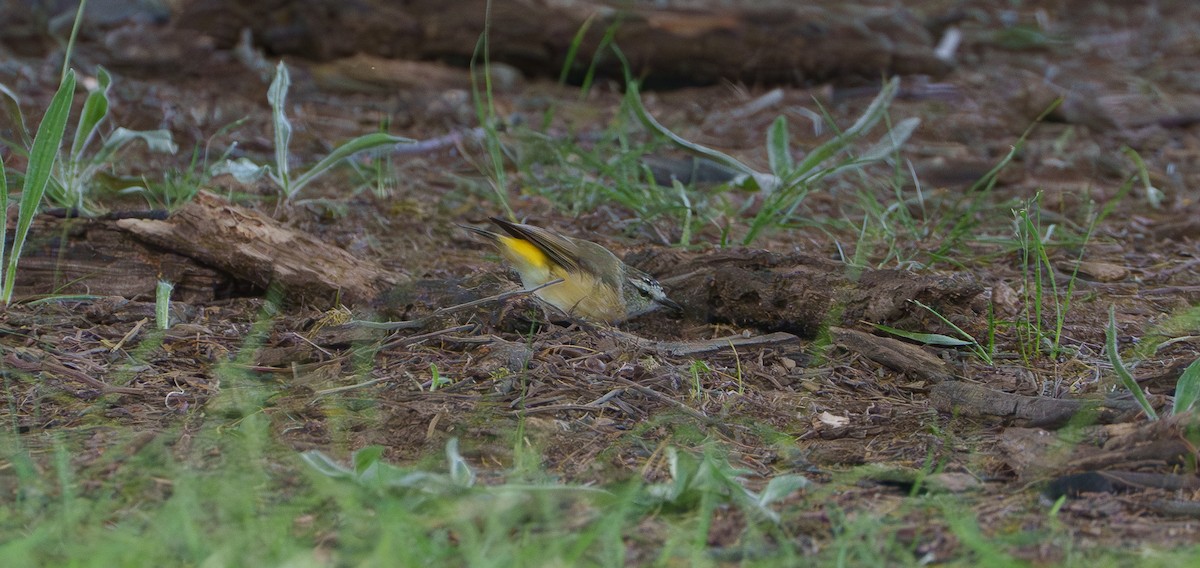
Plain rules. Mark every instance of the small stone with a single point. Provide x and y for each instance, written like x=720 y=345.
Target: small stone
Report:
x=1098 y=271
x=953 y=482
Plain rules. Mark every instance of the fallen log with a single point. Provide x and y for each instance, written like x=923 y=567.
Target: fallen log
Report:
x=969 y=399
x=801 y=294
x=799 y=44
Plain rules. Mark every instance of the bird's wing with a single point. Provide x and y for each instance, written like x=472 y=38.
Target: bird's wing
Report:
x=560 y=250
x=482 y=232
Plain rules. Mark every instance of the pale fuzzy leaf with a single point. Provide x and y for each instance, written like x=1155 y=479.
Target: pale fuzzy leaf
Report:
x=157 y=140
x=780 y=487
x=892 y=140
x=326 y=465
x=242 y=169
x=367 y=458
x=396 y=478
x=277 y=97
x=1187 y=388
x=766 y=183
x=461 y=473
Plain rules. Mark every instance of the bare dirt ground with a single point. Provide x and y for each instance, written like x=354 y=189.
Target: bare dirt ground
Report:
x=601 y=405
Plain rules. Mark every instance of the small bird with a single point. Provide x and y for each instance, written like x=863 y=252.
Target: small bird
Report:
x=595 y=285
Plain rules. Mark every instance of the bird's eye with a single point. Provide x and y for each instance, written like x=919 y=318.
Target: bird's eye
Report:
x=650 y=288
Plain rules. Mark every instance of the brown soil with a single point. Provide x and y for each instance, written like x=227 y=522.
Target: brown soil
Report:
x=600 y=404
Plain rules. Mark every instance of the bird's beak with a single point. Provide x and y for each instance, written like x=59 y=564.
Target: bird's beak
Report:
x=671 y=305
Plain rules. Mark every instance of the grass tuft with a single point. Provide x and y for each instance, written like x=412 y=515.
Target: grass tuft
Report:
x=1114 y=358
x=246 y=171
x=42 y=156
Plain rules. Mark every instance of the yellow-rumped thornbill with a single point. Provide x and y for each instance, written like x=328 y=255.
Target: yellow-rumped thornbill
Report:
x=595 y=285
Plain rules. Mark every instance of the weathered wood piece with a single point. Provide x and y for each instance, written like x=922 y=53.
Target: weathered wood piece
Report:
x=893 y=354
x=1120 y=457
x=258 y=249
x=89 y=256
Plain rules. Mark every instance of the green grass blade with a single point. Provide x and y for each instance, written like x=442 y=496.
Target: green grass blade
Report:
x=874 y=113
x=778 y=151
x=4 y=210
x=12 y=106
x=634 y=100
x=1187 y=389
x=1114 y=357
x=776 y=207
x=589 y=76
x=485 y=112
x=1153 y=195
x=573 y=49
x=41 y=162
x=365 y=142
x=977 y=349
x=71 y=41
x=95 y=108
x=926 y=338
x=367 y=458
x=956 y=228
x=162 y=304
